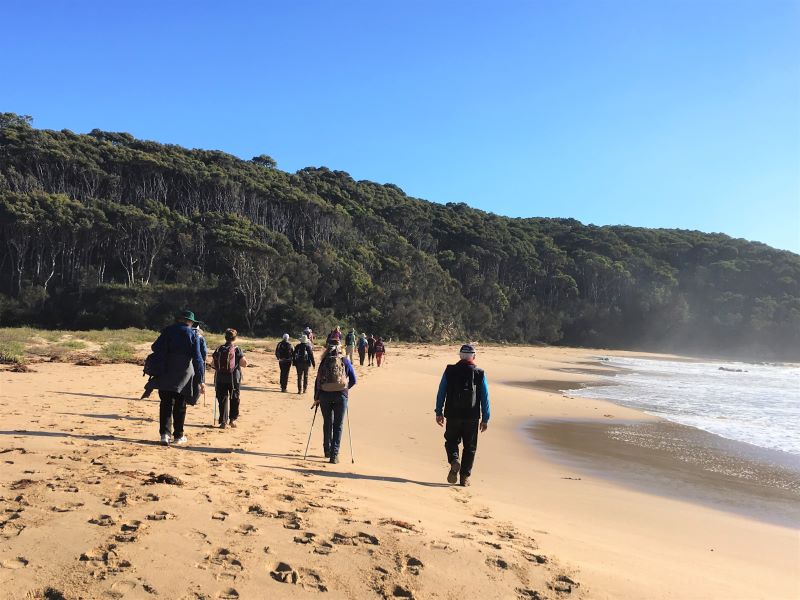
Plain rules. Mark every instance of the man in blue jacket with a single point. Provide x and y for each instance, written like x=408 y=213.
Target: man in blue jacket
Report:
x=335 y=377
x=463 y=402
x=182 y=376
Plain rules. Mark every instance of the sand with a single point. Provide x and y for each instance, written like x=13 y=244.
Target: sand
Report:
x=93 y=507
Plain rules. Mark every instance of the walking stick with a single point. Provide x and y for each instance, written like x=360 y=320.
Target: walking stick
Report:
x=314 y=418
x=214 y=422
x=350 y=434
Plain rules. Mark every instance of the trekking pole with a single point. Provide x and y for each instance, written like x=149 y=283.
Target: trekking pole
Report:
x=350 y=434
x=214 y=422
x=314 y=418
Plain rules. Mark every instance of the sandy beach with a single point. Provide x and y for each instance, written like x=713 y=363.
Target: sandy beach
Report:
x=93 y=507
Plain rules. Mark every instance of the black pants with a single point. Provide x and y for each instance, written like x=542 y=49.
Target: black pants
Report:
x=333 y=406
x=371 y=356
x=457 y=431
x=173 y=405
x=361 y=353
x=286 y=366
x=228 y=399
x=302 y=378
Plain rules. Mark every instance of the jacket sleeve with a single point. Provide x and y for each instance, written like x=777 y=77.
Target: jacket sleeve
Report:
x=351 y=374
x=160 y=345
x=441 y=395
x=483 y=397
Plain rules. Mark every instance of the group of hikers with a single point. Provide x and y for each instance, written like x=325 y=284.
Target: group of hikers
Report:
x=177 y=369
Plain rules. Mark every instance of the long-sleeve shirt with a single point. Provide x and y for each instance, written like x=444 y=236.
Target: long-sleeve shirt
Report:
x=351 y=379
x=482 y=393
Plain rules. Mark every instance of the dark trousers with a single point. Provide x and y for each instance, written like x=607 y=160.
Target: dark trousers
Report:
x=286 y=366
x=457 y=431
x=334 y=407
x=173 y=406
x=302 y=378
x=371 y=356
x=228 y=399
x=361 y=353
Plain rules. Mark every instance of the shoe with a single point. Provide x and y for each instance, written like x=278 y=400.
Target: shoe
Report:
x=465 y=481
x=222 y=425
x=452 y=476
x=335 y=459
x=232 y=424
x=327 y=453
x=181 y=441
x=165 y=439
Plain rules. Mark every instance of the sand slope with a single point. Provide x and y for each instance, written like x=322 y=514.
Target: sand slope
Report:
x=94 y=508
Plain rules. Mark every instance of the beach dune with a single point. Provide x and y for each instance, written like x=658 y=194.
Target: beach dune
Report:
x=93 y=507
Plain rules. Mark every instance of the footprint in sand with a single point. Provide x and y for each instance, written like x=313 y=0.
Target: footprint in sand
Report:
x=103 y=521
x=228 y=594
x=67 y=507
x=246 y=529
x=14 y=563
x=563 y=584
x=220 y=515
x=160 y=515
x=528 y=594
x=413 y=565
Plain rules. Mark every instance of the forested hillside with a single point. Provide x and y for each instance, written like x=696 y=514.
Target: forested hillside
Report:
x=105 y=230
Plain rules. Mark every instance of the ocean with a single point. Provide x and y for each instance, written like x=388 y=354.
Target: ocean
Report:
x=757 y=404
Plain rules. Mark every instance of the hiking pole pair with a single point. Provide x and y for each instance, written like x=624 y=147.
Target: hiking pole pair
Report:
x=313 y=419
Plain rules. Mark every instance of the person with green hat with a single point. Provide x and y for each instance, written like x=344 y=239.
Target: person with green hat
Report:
x=178 y=373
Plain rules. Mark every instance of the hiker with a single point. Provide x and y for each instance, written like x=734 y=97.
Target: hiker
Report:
x=203 y=343
x=334 y=337
x=303 y=357
x=370 y=350
x=309 y=333
x=463 y=402
x=380 y=351
x=362 y=348
x=350 y=344
x=283 y=352
x=228 y=360
x=335 y=377
x=177 y=371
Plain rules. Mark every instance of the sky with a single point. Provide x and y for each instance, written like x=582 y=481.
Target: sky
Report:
x=678 y=114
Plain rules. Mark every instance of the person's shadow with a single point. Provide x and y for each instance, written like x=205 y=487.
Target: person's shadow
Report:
x=361 y=476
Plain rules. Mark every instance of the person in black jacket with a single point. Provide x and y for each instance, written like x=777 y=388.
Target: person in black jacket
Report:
x=284 y=353
x=228 y=378
x=463 y=402
x=303 y=358
x=370 y=350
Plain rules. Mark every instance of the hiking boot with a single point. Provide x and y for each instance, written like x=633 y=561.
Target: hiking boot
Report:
x=335 y=459
x=222 y=425
x=452 y=476
x=165 y=439
x=181 y=441
x=232 y=424
x=465 y=481
x=327 y=454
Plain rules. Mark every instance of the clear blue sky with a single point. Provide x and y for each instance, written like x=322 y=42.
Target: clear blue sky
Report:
x=641 y=112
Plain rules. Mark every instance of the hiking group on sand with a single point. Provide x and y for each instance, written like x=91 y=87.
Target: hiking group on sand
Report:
x=177 y=369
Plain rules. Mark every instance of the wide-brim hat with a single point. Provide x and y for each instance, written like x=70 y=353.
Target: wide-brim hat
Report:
x=189 y=316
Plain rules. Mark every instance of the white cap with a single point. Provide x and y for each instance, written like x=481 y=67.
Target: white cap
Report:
x=286 y=336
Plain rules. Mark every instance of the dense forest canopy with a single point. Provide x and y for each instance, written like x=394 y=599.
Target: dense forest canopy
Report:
x=105 y=230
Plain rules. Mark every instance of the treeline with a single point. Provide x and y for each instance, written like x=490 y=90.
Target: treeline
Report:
x=104 y=230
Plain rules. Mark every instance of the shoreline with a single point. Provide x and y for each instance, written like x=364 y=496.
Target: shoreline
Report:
x=677 y=461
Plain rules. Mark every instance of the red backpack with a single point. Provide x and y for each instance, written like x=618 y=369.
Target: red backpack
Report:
x=225 y=359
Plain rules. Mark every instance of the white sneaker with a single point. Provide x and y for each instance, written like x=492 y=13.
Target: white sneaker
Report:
x=181 y=441
x=165 y=439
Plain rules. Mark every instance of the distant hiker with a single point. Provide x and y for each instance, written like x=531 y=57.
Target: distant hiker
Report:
x=309 y=333
x=370 y=350
x=335 y=377
x=463 y=401
x=303 y=358
x=284 y=352
x=350 y=344
x=228 y=360
x=362 y=348
x=380 y=351
x=177 y=371
x=203 y=344
x=334 y=337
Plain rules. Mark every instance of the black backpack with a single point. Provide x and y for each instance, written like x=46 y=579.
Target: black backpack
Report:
x=462 y=390
x=284 y=350
x=301 y=355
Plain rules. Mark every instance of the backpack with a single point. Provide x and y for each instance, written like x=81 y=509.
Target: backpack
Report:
x=301 y=355
x=333 y=374
x=363 y=343
x=155 y=364
x=284 y=350
x=462 y=389
x=225 y=359
x=350 y=339
x=379 y=347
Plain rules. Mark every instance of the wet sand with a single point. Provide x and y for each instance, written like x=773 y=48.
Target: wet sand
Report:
x=679 y=462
